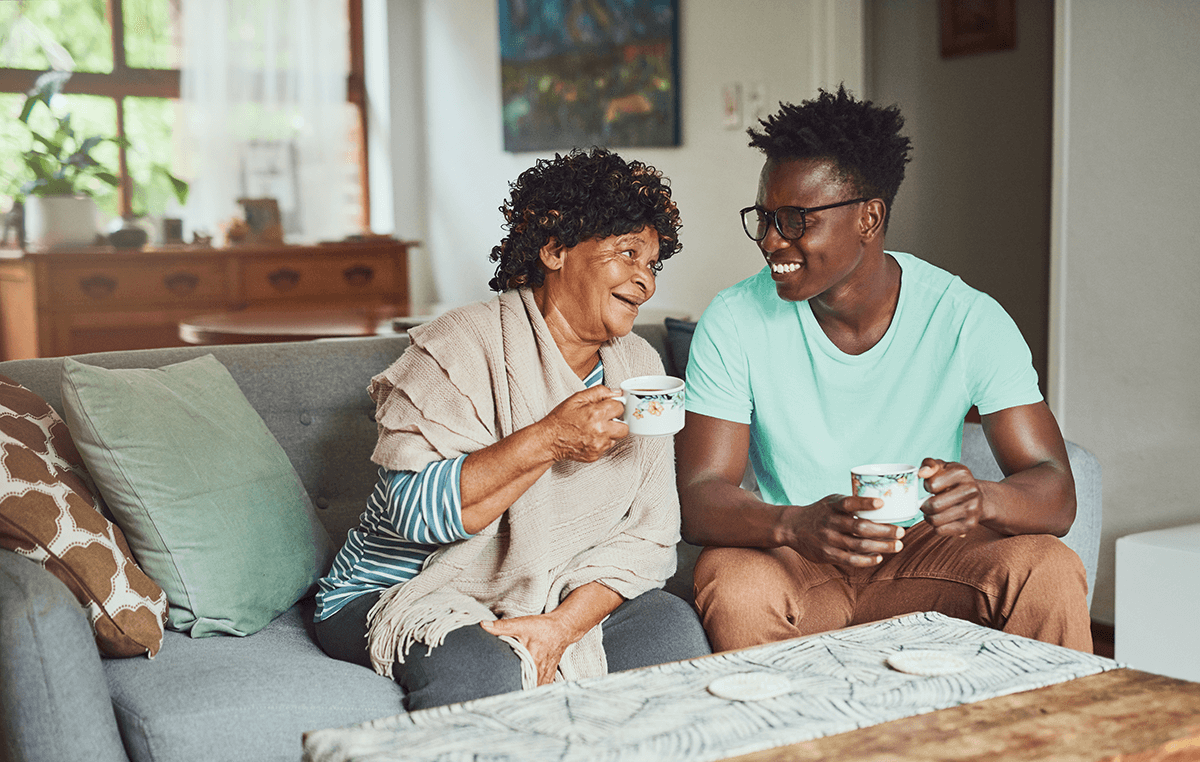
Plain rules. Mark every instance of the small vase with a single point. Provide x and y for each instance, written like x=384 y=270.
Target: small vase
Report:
x=56 y=222
x=125 y=233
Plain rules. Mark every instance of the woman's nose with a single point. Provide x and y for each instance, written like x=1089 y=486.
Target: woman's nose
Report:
x=644 y=277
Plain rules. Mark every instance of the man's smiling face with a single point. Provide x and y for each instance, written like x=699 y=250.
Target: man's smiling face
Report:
x=831 y=247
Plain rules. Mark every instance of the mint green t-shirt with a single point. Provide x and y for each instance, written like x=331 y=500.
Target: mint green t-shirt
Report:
x=815 y=412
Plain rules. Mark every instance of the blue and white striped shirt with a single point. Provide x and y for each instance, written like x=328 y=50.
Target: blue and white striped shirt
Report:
x=408 y=516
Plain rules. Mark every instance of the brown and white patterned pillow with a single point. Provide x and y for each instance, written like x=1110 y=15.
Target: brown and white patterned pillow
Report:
x=49 y=513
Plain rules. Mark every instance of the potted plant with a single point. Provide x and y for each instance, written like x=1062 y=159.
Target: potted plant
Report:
x=59 y=208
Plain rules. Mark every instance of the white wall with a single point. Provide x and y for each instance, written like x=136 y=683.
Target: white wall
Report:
x=1125 y=315
x=790 y=50
x=976 y=197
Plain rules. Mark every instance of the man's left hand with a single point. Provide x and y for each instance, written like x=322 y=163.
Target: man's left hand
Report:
x=957 y=502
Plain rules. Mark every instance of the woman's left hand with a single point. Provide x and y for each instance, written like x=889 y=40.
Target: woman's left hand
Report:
x=957 y=502
x=543 y=635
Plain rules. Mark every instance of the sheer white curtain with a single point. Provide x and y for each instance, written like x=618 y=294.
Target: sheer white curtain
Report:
x=263 y=100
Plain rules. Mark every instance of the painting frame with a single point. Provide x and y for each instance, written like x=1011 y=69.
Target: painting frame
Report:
x=576 y=75
x=969 y=27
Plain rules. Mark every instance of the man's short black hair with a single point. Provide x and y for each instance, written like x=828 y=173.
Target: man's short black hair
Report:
x=861 y=140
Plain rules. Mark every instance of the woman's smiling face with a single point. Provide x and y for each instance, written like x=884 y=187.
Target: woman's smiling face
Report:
x=599 y=284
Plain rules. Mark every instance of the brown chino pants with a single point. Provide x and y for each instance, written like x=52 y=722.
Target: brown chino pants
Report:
x=1029 y=585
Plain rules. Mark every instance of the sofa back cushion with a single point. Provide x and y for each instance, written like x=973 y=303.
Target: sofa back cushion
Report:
x=212 y=507
x=49 y=514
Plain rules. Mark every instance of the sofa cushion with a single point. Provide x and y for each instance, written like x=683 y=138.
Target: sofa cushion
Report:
x=248 y=698
x=679 y=343
x=50 y=515
x=212 y=507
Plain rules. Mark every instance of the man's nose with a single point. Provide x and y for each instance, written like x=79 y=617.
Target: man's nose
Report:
x=773 y=241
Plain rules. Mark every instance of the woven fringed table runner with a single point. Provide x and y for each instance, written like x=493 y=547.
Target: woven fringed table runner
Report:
x=839 y=681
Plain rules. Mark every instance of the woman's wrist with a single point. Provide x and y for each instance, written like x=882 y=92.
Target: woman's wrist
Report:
x=584 y=608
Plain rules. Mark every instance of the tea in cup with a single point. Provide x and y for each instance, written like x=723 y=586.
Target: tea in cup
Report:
x=653 y=405
x=894 y=483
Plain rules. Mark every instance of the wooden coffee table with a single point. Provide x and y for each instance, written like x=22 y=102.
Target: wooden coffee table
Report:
x=256 y=325
x=1138 y=715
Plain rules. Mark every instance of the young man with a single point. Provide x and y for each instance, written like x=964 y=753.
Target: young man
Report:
x=840 y=353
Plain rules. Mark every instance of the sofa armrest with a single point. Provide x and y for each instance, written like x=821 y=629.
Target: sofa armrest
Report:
x=1084 y=537
x=54 y=699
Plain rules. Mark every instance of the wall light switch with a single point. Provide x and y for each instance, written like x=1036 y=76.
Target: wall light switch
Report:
x=756 y=103
x=731 y=105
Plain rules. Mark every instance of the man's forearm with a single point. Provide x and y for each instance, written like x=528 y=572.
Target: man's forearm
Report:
x=721 y=514
x=1038 y=500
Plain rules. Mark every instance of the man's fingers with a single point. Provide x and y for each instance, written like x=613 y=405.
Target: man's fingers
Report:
x=847 y=558
x=852 y=505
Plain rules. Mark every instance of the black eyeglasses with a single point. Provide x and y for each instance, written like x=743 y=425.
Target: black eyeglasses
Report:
x=789 y=221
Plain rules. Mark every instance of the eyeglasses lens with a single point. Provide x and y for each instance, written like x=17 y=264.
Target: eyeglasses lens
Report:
x=791 y=222
x=755 y=222
x=789 y=219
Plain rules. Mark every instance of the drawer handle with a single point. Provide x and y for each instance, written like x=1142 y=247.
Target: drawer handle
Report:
x=98 y=286
x=359 y=275
x=181 y=284
x=284 y=279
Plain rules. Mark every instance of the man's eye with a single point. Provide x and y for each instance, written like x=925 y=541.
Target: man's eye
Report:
x=630 y=253
x=791 y=221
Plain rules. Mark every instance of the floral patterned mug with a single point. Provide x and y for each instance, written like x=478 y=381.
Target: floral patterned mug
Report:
x=653 y=405
x=895 y=483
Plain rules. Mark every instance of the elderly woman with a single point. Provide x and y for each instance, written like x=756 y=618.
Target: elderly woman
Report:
x=518 y=532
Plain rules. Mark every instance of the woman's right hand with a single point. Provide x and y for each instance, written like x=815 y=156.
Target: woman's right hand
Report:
x=585 y=425
x=828 y=532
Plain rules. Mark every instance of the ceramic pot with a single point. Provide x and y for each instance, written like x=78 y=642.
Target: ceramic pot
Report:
x=56 y=222
x=127 y=234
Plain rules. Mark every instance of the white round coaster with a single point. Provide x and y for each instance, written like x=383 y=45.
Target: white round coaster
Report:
x=927 y=663
x=750 y=686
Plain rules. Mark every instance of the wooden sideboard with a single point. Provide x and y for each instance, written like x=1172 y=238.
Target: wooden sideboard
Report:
x=98 y=299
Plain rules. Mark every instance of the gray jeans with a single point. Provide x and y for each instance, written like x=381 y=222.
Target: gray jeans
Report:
x=653 y=628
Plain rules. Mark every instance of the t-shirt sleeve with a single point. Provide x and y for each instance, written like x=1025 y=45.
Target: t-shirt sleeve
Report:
x=718 y=381
x=1000 y=366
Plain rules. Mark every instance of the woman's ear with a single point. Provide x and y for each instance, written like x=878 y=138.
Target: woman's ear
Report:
x=551 y=254
x=870 y=222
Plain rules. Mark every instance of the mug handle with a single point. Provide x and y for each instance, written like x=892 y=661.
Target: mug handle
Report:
x=620 y=398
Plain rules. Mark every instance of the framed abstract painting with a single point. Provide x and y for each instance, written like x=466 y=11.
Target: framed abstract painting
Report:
x=578 y=73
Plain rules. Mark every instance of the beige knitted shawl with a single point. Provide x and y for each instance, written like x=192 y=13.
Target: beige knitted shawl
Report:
x=470 y=378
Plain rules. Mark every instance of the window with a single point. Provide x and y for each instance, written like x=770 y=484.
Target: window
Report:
x=125 y=55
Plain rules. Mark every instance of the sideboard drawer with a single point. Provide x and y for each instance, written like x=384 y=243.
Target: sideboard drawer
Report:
x=329 y=276
x=157 y=283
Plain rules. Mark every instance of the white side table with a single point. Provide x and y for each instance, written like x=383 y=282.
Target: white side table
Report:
x=1157 y=626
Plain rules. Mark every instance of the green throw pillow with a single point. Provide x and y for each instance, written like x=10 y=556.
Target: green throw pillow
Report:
x=212 y=508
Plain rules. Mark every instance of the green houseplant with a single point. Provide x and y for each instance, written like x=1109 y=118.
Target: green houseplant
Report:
x=61 y=175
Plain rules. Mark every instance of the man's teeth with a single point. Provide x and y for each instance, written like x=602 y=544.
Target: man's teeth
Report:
x=785 y=268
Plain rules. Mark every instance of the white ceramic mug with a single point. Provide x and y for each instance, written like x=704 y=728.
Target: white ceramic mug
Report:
x=653 y=405
x=894 y=483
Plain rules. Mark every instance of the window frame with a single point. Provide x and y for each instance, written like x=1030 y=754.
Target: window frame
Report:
x=131 y=82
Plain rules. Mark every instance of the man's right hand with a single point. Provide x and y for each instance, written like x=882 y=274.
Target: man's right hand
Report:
x=828 y=532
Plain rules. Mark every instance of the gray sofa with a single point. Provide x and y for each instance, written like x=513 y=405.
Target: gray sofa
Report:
x=251 y=698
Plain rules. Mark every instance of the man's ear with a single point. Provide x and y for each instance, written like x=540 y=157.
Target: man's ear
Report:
x=551 y=254
x=870 y=222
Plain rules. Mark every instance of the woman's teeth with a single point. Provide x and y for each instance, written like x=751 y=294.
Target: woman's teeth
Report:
x=785 y=268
